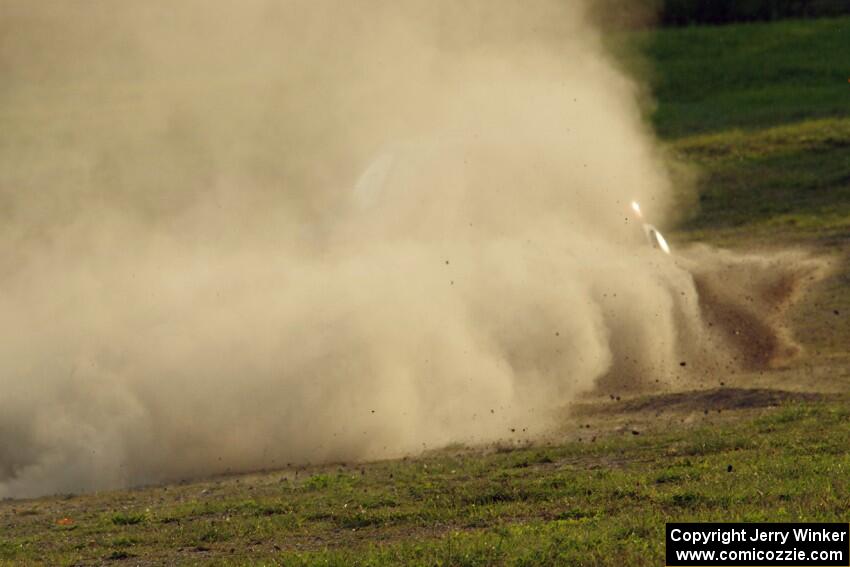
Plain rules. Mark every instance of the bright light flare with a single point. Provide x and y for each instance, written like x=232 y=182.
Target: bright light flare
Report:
x=636 y=209
x=662 y=243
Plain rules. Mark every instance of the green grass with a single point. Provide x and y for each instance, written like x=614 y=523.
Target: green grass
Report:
x=577 y=503
x=792 y=179
x=749 y=75
x=762 y=114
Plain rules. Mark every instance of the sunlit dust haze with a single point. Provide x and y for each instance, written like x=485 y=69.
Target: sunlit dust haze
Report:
x=241 y=235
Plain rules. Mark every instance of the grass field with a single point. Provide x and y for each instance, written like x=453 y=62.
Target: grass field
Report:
x=578 y=503
x=762 y=113
x=748 y=76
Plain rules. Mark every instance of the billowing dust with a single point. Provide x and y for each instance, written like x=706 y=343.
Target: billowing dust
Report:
x=240 y=235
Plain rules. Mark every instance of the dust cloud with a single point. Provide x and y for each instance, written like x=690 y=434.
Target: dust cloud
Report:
x=236 y=236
